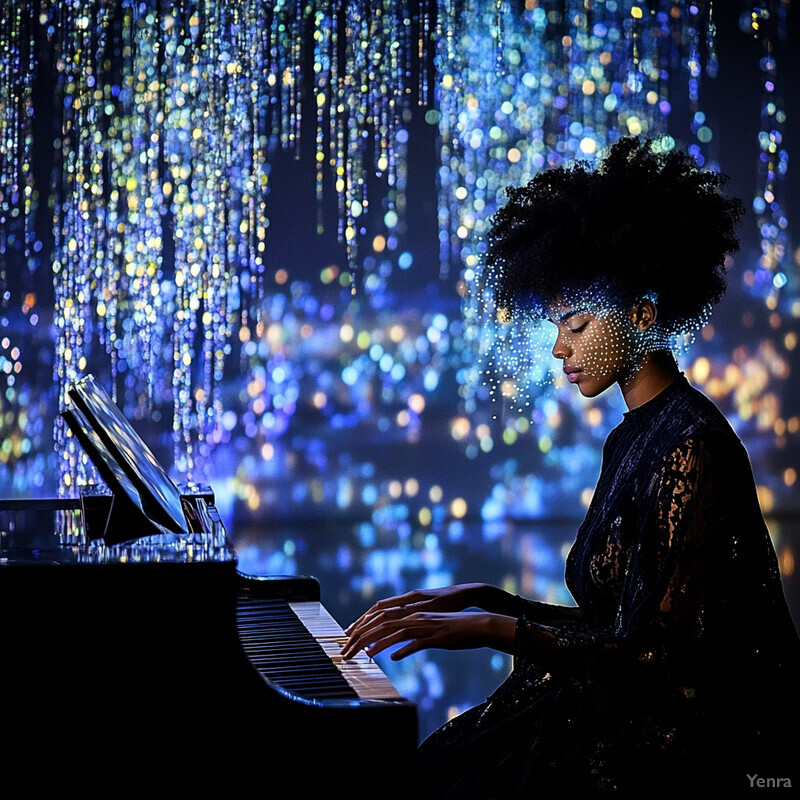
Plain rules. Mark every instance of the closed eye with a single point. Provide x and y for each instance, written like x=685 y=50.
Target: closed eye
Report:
x=579 y=328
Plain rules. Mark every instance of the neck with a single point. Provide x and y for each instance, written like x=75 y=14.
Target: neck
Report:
x=657 y=372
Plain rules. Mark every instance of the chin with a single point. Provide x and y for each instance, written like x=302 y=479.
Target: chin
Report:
x=592 y=387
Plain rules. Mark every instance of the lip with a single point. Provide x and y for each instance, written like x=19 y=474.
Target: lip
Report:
x=572 y=373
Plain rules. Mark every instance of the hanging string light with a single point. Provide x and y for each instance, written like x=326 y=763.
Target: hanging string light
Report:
x=168 y=116
x=19 y=244
x=766 y=23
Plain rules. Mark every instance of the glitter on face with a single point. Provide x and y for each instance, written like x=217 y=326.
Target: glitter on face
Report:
x=597 y=344
x=587 y=329
x=600 y=345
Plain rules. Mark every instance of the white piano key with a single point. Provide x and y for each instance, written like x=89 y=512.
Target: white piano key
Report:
x=366 y=678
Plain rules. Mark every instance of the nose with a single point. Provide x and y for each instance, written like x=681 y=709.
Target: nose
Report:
x=561 y=349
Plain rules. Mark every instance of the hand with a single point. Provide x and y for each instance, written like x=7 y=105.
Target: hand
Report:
x=421 y=630
x=447 y=598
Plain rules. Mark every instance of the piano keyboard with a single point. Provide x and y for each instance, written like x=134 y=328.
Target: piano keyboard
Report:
x=297 y=646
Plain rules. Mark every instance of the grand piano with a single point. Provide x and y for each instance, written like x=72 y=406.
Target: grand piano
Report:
x=135 y=651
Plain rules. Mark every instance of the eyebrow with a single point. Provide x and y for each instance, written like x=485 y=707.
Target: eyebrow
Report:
x=565 y=317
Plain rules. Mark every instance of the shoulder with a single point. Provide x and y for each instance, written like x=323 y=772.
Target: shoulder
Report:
x=697 y=444
x=692 y=423
x=681 y=414
x=679 y=429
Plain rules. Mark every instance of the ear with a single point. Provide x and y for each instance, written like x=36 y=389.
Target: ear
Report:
x=643 y=314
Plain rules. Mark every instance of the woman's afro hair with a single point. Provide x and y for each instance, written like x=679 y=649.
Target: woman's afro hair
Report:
x=646 y=220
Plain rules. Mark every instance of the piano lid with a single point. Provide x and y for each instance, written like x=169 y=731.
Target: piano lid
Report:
x=123 y=459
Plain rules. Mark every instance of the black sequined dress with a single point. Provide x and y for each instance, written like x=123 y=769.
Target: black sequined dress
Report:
x=679 y=671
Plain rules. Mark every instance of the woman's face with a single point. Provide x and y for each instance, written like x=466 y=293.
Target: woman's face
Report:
x=598 y=346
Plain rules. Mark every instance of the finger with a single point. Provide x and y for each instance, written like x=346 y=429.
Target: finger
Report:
x=367 y=637
x=392 y=639
x=377 y=608
x=413 y=646
x=361 y=640
x=414 y=597
x=365 y=619
x=379 y=617
x=358 y=640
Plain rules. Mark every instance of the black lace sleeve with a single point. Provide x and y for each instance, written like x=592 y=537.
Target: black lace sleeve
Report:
x=535 y=611
x=660 y=613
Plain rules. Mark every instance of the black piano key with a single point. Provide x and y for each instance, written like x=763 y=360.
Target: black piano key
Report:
x=282 y=649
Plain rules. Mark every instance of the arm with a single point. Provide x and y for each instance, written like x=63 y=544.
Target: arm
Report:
x=439 y=618
x=470 y=595
x=455 y=630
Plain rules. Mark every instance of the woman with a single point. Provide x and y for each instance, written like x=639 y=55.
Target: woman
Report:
x=676 y=668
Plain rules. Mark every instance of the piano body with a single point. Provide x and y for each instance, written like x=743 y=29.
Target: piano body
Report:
x=134 y=653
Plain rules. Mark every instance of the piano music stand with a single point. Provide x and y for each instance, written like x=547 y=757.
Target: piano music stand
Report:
x=143 y=500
